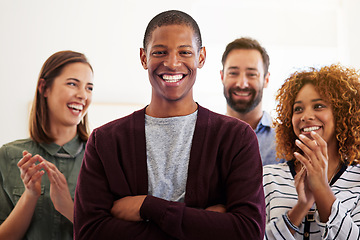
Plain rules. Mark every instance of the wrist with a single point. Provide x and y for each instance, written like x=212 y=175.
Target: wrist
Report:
x=324 y=192
x=302 y=207
x=293 y=228
x=298 y=213
x=66 y=208
x=30 y=195
x=324 y=201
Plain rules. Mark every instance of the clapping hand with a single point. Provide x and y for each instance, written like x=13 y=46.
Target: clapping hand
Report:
x=315 y=160
x=31 y=173
x=59 y=190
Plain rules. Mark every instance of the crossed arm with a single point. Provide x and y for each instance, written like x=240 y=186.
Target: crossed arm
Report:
x=128 y=208
x=110 y=201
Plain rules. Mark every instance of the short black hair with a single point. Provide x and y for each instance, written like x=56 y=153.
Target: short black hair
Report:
x=172 y=17
x=247 y=43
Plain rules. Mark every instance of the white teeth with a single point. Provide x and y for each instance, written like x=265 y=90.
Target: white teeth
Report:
x=309 y=129
x=242 y=94
x=76 y=107
x=172 y=78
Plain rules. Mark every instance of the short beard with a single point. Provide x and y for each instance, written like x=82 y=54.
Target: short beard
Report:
x=243 y=107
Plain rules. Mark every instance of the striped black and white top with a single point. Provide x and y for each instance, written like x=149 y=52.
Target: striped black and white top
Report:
x=281 y=196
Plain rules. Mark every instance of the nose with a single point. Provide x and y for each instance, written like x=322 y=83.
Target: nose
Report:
x=82 y=94
x=242 y=81
x=172 y=61
x=307 y=115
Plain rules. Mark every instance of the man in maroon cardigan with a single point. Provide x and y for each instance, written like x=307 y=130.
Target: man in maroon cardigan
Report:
x=173 y=170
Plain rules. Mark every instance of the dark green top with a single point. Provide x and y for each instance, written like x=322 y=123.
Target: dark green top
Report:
x=47 y=223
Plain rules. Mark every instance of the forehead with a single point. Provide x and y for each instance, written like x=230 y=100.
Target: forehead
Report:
x=244 y=58
x=78 y=70
x=172 y=35
x=307 y=92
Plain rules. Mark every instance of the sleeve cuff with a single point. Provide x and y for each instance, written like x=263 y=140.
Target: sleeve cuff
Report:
x=335 y=218
x=280 y=230
x=153 y=209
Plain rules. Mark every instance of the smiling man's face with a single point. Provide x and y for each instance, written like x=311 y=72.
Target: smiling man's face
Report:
x=243 y=78
x=172 y=59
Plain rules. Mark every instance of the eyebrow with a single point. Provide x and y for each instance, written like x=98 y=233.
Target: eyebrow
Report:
x=314 y=100
x=158 y=46
x=233 y=68
x=77 y=80
x=163 y=46
x=237 y=68
x=185 y=46
x=253 y=69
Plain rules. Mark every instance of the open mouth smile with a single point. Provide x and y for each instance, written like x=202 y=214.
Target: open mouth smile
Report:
x=172 y=78
x=75 y=107
x=242 y=93
x=309 y=129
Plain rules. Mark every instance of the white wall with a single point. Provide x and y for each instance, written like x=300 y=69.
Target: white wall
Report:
x=295 y=33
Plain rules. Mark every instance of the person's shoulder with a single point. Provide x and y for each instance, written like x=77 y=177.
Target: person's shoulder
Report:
x=353 y=168
x=276 y=174
x=15 y=148
x=122 y=122
x=350 y=178
x=221 y=118
x=266 y=121
x=276 y=168
x=20 y=143
x=226 y=128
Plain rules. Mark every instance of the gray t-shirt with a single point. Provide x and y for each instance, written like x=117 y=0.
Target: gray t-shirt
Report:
x=168 y=144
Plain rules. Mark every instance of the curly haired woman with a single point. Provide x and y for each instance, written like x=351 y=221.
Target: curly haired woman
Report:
x=316 y=193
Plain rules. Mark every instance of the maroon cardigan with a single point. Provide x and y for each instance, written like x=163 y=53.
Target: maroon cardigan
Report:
x=224 y=168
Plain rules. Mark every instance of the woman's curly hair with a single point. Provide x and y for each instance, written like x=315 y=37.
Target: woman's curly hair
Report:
x=337 y=85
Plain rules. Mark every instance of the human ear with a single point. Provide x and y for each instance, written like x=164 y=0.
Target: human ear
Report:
x=266 y=80
x=41 y=87
x=222 y=75
x=202 y=57
x=143 y=58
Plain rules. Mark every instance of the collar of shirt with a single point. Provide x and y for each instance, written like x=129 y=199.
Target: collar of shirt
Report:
x=69 y=150
x=265 y=122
